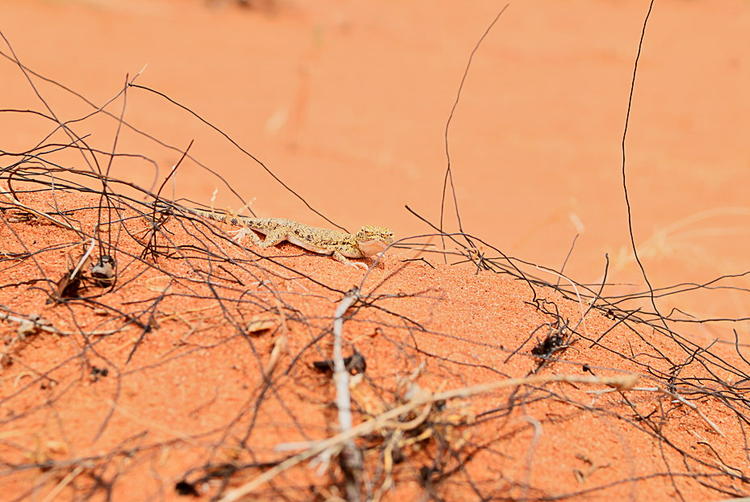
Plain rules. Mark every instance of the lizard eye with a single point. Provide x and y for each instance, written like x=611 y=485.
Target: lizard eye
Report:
x=371 y=233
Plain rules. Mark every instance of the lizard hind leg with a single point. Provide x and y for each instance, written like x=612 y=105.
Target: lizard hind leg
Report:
x=239 y=236
x=271 y=239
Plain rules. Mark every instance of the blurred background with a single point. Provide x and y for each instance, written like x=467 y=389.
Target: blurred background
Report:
x=347 y=101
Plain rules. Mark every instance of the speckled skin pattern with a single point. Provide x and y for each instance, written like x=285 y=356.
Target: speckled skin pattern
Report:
x=367 y=242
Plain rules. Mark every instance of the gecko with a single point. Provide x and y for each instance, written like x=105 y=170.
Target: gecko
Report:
x=367 y=242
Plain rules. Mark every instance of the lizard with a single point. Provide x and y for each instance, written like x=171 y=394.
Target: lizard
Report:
x=367 y=242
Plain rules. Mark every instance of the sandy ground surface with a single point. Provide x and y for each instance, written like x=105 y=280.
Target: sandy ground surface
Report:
x=346 y=103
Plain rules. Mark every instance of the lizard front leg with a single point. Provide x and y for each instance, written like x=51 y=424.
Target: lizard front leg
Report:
x=346 y=261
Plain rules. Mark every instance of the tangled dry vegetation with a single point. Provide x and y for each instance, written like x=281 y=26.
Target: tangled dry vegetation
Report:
x=147 y=355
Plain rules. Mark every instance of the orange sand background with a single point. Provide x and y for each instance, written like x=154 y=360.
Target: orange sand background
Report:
x=347 y=103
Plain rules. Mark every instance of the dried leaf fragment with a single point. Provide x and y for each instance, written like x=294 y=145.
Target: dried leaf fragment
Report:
x=261 y=322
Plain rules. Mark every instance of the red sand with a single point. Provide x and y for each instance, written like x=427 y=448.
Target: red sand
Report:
x=347 y=102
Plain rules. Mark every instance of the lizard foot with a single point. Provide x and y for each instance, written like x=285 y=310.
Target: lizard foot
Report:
x=239 y=235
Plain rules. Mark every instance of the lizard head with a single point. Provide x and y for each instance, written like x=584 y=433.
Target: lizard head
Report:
x=372 y=240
